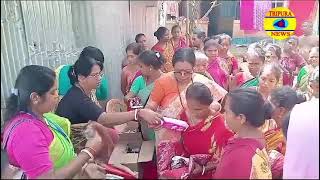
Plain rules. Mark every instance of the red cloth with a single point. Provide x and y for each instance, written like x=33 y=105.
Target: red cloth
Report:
x=236 y=161
x=302 y=10
x=196 y=145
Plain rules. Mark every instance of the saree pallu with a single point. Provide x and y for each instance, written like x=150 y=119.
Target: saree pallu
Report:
x=217 y=68
x=275 y=140
x=167 y=52
x=302 y=80
x=214 y=136
x=182 y=44
x=254 y=82
x=166 y=95
x=61 y=150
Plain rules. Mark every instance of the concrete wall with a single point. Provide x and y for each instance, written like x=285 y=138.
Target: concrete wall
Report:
x=116 y=24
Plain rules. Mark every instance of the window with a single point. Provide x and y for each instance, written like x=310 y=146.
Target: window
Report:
x=278 y=3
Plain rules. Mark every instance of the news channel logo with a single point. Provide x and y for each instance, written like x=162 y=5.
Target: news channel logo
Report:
x=280 y=23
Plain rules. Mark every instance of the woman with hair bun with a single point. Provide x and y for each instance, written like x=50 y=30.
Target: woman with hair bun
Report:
x=245 y=156
x=165 y=47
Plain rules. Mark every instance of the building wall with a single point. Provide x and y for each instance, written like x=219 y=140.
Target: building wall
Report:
x=116 y=24
x=52 y=33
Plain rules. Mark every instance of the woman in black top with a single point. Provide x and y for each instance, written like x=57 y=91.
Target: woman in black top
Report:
x=76 y=105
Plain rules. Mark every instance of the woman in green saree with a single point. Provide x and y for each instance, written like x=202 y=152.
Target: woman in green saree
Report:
x=256 y=57
x=150 y=63
x=37 y=141
x=304 y=73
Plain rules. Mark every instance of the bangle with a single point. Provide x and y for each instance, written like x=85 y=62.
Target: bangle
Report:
x=136 y=111
x=203 y=170
x=87 y=152
x=91 y=150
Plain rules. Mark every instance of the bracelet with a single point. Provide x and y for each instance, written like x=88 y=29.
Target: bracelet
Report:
x=87 y=152
x=136 y=111
x=94 y=152
x=203 y=170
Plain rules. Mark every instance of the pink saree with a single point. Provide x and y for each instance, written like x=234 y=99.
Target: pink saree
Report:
x=217 y=70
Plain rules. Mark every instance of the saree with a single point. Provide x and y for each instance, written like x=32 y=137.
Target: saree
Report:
x=231 y=63
x=171 y=100
x=61 y=150
x=302 y=79
x=217 y=70
x=289 y=65
x=254 y=82
x=244 y=158
x=214 y=136
x=181 y=44
x=141 y=90
x=167 y=52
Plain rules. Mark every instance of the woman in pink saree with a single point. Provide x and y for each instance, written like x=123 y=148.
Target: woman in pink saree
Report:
x=217 y=68
x=177 y=40
x=189 y=157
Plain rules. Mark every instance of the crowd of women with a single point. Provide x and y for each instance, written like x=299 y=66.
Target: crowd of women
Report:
x=247 y=119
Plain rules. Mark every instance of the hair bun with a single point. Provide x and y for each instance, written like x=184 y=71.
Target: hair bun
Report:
x=155 y=34
x=267 y=110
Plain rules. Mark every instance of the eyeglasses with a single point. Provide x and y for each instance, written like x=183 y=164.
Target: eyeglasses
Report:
x=98 y=75
x=183 y=73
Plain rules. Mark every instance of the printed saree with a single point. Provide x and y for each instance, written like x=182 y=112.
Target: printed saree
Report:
x=201 y=143
x=167 y=52
x=166 y=96
x=181 y=44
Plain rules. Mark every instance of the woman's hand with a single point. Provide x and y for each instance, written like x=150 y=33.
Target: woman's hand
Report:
x=151 y=117
x=94 y=141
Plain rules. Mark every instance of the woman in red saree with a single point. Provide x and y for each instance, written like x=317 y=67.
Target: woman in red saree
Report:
x=291 y=60
x=244 y=156
x=203 y=124
x=165 y=47
x=130 y=71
